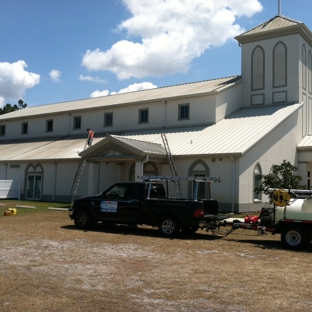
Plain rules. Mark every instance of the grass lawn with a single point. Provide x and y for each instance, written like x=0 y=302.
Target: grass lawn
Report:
x=49 y=265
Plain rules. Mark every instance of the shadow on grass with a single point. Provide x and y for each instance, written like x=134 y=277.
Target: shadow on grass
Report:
x=200 y=235
x=271 y=244
x=142 y=231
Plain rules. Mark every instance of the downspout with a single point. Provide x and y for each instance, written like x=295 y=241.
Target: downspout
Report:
x=233 y=181
x=165 y=114
x=70 y=121
x=142 y=164
x=55 y=176
x=6 y=171
x=98 y=177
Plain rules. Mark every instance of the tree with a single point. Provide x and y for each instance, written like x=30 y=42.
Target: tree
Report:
x=281 y=176
x=8 y=108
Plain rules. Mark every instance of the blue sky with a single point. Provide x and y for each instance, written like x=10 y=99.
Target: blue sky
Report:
x=62 y=50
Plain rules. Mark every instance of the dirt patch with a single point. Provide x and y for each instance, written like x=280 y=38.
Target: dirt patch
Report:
x=48 y=265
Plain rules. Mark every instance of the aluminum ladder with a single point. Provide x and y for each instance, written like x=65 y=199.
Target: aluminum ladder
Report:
x=172 y=165
x=78 y=175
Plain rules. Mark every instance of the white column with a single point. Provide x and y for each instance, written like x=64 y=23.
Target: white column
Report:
x=91 y=179
x=137 y=170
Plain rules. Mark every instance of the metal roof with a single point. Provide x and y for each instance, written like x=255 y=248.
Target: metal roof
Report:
x=305 y=144
x=157 y=94
x=49 y=149
x=143 y=146
x=276 y=27
x=277 y=22
x=132 y=146
x=234 y=135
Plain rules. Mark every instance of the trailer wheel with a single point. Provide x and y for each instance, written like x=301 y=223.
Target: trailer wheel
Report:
x=169 y=226
x=294 y=237
x=82 y=219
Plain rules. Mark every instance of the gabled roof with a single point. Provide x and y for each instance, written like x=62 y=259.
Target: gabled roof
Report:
x=157 y=94
x=277 y=26
x=114 y=145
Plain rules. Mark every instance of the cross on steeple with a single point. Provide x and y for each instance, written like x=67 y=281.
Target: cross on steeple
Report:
x=279 y=7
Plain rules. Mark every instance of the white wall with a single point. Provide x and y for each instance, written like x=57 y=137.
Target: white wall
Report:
x=280 y=144
x=126 y=117
x=228 y=101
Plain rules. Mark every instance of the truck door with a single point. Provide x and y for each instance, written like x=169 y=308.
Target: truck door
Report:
x=120 y=204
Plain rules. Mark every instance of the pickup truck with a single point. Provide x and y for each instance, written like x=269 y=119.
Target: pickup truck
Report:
x=147 y=203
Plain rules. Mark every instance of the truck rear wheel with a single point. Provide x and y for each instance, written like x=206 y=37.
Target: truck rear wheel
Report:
x=82 y=219
x=294 y=237
x=169 y=226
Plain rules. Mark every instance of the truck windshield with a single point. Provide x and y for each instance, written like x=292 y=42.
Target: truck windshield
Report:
x=117 y=191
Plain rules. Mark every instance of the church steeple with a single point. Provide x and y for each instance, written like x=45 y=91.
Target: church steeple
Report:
x=276 y=56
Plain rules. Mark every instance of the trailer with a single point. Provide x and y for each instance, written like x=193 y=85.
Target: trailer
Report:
x=290 y=216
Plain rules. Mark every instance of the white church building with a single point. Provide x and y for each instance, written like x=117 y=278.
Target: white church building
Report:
x=234 y=128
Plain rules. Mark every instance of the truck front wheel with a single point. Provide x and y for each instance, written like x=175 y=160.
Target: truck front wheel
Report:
x=82 y=219
x=169 y=226
x=294 y=237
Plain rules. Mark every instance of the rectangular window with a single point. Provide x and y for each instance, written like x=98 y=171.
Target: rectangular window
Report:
x=184 y=111
x=77 y=122
x=2 y=130
x=108 y=119
x=49 y=126
x=24 y=127
x=143 y=115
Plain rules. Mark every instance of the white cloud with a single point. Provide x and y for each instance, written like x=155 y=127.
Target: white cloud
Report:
x=130 y=88
x=138 y=87
x=55 y=75
x=172 y=34
x=15 y=80
x=99 y=93
x=93 y=79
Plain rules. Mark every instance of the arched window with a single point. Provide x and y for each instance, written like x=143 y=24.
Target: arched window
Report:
x=257 y=182
x=304 y=67
x=150 y=169
x=199 y=169
x=257 y=69
x=33 y=181
x=279 y=65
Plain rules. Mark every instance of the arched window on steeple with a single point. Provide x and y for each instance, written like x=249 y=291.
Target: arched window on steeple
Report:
x=257 y=69
x=304 y=67
x=279 y=65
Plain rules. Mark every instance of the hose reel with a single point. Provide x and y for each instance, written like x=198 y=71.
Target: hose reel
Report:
x=281 y=197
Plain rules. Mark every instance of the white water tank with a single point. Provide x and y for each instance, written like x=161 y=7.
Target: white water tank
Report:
x=298 y=209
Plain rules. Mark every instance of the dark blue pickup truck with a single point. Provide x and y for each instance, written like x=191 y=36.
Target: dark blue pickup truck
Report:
x=146 y=203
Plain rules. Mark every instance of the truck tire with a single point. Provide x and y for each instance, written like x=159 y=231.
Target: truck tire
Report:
x=294 y=237
x=82 y=219
x=169 y=226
